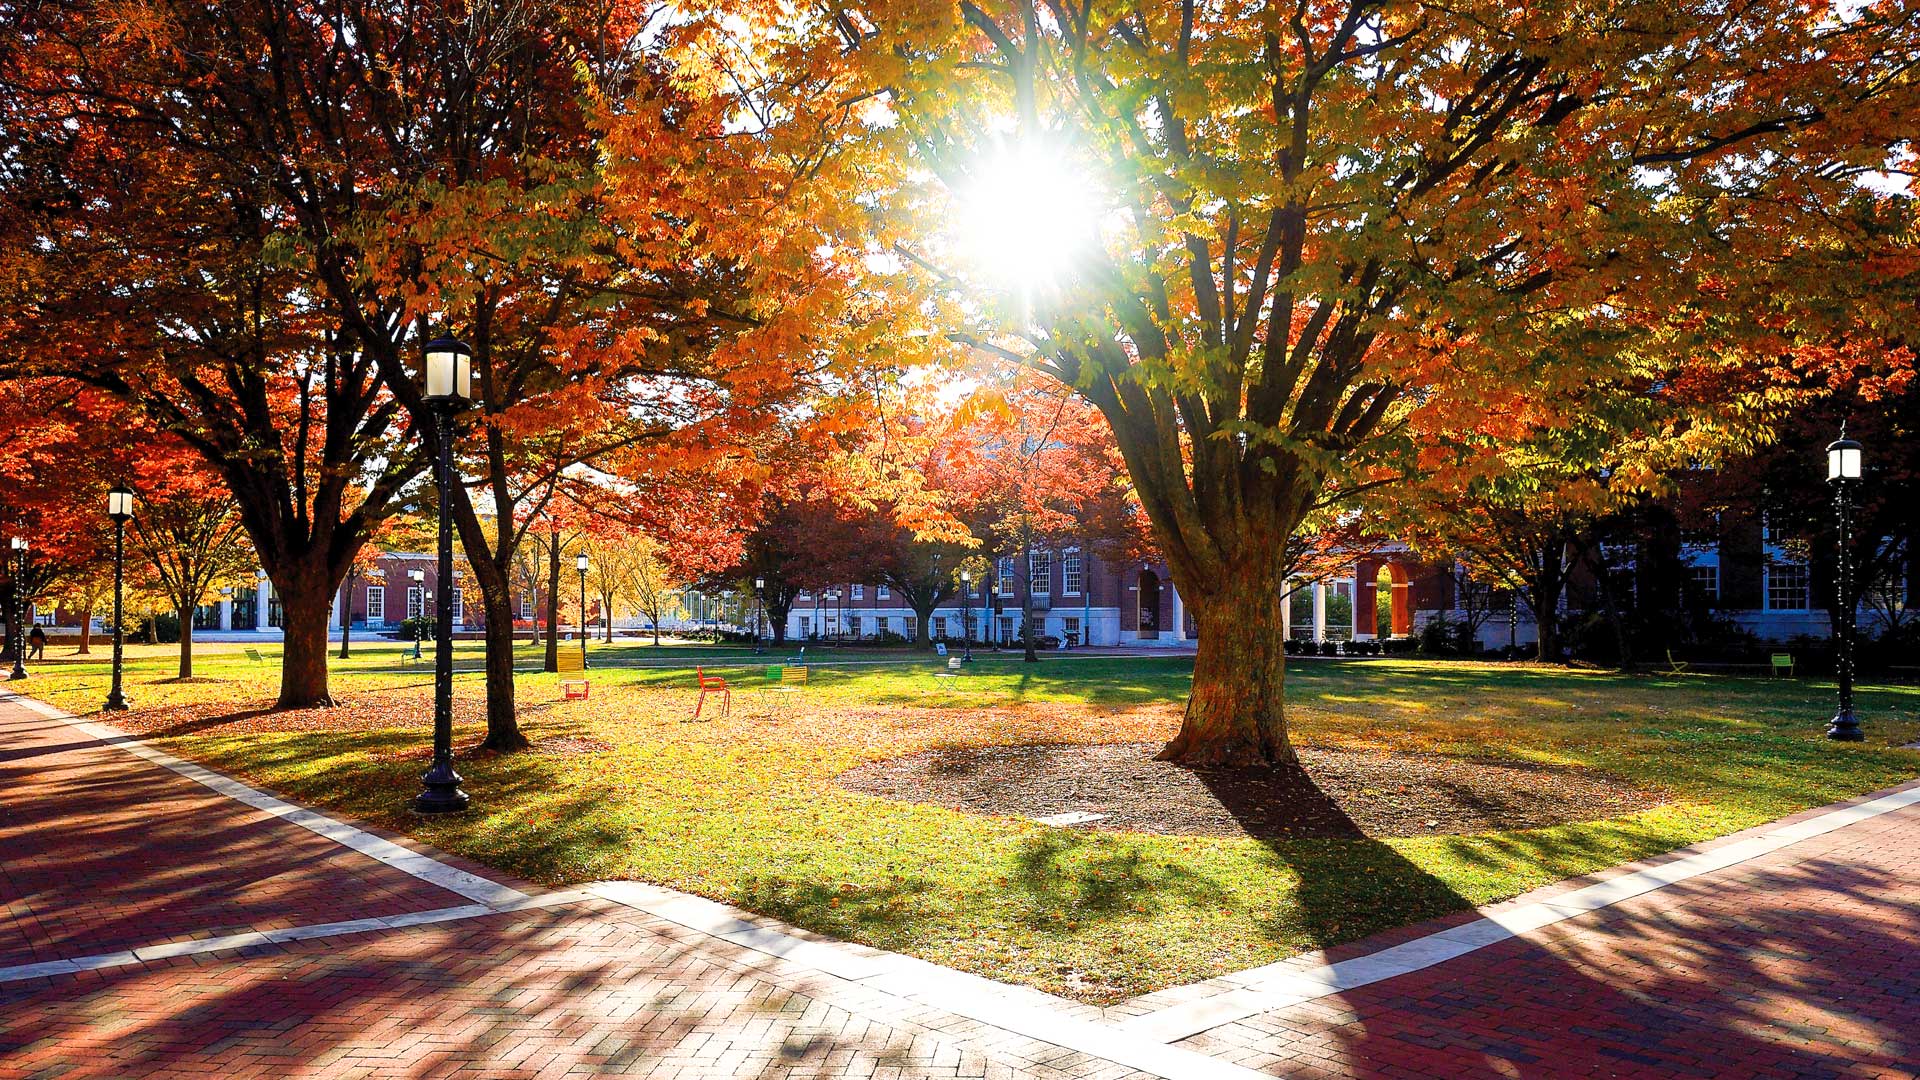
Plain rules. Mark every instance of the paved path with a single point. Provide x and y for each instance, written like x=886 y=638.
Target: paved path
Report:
x=157 y=919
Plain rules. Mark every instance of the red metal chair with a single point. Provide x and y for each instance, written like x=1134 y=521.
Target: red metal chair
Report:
x=712 y=684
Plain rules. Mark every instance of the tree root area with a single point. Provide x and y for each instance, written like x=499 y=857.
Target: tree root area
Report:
x=1333 y=793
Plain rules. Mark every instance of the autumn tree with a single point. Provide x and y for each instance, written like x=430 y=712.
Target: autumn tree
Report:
x=188 y=530
x=1282 y=250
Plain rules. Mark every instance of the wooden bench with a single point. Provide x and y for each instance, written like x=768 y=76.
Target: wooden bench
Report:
x=1781 y=661
x=712 y=684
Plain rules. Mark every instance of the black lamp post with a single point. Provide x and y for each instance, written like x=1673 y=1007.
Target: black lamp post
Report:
x=19 y=620
x=346 y=614
x=966 y=614
x=449 y=389
x=120 y=509
x=759 y=609
x=580 y=564
x=419 y=579
x=1843 y=472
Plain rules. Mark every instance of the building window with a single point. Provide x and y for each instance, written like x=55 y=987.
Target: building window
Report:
x=526 y=607
x=459 y=611
x=806 y=626
x=1787 y=587
x=1706 y=582
x=1005 y=574
x=416 y=601
x=912 y=623
x=1040 y=572
x=803 y=595
x=1007 y=632
x=376 y=603
x=853 y=625
x=1070 y=627
x=46 y=618
x=939 y=626
x=880 y=593
x=880 y=625
x=859 y=592
x=1070 y=576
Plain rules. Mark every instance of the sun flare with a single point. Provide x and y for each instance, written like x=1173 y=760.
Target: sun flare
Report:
x=1029 y=217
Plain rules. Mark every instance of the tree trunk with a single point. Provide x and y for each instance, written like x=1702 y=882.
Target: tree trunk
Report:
x=606 y=619
x=777 y=621
x=304 y=614
x=923 y=623
x=1026 y=608
x=503 y=726
x=1236 y=712
x=86 y=630
x=553 y=604
x=346 y=622
x=186 y=641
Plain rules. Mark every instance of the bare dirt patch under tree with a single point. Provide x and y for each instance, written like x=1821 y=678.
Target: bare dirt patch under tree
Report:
x=1339 y=792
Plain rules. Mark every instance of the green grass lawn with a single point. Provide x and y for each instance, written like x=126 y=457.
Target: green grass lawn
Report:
x=744 y=809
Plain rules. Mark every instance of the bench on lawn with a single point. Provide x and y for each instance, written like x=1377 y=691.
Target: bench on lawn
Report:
x=254 y=655
x=1782 y=661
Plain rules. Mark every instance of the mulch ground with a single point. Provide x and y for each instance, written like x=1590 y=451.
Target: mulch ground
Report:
x=1339 y=793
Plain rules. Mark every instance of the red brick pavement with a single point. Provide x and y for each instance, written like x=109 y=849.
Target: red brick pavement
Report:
x=81 y=824
x=1801 y=963
x=589 y=989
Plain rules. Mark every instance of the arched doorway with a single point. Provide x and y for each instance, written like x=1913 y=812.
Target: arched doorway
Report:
x=1149 y=605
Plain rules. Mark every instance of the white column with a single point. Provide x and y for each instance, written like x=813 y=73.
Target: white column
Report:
x=333 y=616
x=1286 y=608
x=1371 y=618
x=1319 y=611
x=260 y=604
x=226 y=613
x=1179 y=632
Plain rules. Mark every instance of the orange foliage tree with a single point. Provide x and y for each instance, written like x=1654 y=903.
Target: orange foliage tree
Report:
x=1314 y=241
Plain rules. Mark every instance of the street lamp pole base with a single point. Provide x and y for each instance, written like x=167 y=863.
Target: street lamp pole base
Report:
x=116 y=703
x=1845 y=727
x=18 y=673
x=441 y=794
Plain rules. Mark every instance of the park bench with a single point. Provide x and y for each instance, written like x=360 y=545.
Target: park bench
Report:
x=712 y=684
x=1781 y=662
x=569 y=662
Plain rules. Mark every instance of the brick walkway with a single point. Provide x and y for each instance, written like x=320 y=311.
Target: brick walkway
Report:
x=1802 y=961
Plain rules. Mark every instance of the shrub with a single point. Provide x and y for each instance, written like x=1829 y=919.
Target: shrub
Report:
x=422 y=624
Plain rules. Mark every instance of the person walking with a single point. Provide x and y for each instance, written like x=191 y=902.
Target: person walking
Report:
x=37 y=644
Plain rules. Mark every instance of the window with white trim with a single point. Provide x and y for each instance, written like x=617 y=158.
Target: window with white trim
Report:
x=880 y=592
x=1705 y=580
x=1005 y=574
x=1788 y=587
x=526 y=607
x=459 y=610
x=376 y=603
x=1071 y=578
x=416 y=601
x=939 y=626
x=1071 y=629
x=859 y=592
x=912 y=623
x=1040 y=572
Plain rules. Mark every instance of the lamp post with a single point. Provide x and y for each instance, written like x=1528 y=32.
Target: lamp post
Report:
x=19 y=620
x=449 y=389
x=759 y=610
x=966 y=614
x=1843 y=472
x=419 y=579
x=580 y=564
x=120 y=509
x=346 y=613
